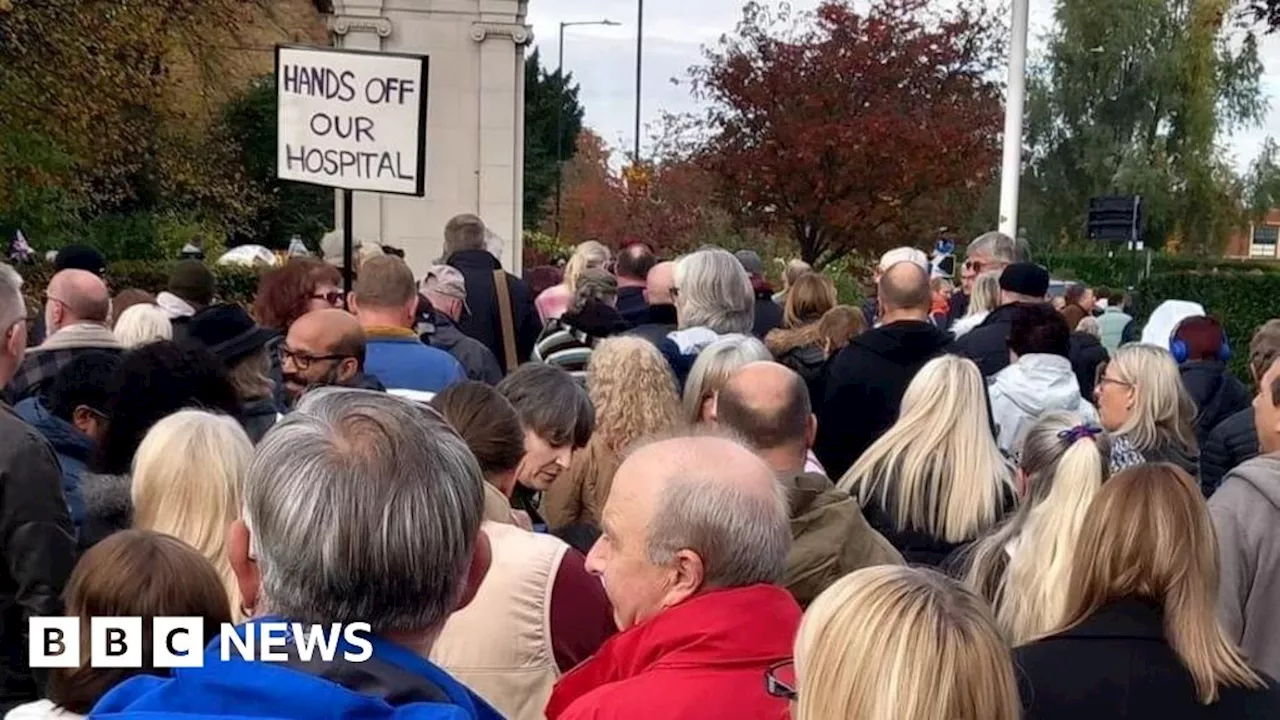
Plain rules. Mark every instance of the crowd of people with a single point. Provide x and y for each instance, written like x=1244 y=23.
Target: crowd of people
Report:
x=643 y=487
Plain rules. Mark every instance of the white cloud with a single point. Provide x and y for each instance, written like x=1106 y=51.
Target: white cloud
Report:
x=602 y=59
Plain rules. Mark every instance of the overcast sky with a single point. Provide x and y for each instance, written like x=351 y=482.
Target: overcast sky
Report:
x=602 y=59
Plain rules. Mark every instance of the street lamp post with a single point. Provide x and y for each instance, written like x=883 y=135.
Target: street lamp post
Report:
x=560 y=115
x=1011 y=173
x=635 y=158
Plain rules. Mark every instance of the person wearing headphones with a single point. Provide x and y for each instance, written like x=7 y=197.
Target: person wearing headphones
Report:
x=1200 y=347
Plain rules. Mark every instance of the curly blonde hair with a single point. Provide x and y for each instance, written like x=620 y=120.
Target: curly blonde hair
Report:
x=633 y=390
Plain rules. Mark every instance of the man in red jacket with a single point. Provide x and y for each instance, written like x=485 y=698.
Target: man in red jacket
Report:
x=695 y=541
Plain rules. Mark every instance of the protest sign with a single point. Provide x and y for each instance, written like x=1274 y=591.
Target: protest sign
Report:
x=352 y=120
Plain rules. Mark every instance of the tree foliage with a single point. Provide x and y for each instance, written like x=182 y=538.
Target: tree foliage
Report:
x=546 y=95
x=1133 y=98
x=853 y=131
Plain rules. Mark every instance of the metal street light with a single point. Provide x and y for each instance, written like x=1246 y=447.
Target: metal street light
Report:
x=560 y=114
x=635 y=159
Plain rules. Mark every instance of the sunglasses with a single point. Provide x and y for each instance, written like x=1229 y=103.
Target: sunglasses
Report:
x=333 y=297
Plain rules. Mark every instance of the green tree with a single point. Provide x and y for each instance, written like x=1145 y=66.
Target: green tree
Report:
x=286 y=208
x=1133 y=98
x=546 y=94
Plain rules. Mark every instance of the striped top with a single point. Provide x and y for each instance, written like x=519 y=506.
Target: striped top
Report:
x=565 y=347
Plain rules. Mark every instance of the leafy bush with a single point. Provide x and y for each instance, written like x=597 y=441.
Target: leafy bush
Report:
x=147 y=235
x=1242 y=301
x=1097 y=269
x=234 y=284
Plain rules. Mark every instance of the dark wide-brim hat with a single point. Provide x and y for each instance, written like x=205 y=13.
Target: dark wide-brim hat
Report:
x=228 y=332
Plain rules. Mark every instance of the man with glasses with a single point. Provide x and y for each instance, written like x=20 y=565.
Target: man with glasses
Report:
x=76 y=310
x=324 y=348
x=990 y=252
x=36 y=538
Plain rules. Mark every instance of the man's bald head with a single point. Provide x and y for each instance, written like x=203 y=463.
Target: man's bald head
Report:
x=76 y=296
x=768 y=405
x=635 y=261
x=658 y=283
x=904 y=287
x=716 y=497
x=330 y=332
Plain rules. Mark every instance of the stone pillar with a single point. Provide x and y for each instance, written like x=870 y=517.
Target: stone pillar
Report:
x=475 y=118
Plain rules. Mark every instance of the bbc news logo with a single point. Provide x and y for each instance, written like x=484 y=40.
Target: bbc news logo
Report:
x=179 y=642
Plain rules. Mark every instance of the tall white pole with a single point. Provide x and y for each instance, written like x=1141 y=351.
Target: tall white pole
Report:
x=1011 y=175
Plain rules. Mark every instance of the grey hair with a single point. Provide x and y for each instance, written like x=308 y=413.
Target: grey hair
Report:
x=363 y=507
x=12 y=305
x=713 y=368
x=713 y=291
x=742 y=537
x=1000 y=247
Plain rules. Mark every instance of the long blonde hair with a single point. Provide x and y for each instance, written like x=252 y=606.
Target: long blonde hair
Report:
x=1023 y=568
x=589 y=254
x=986 y=294
x=713 y=368
x=938 y=469
x=1163 y=411
x=1148 y=535
x=897 y=643
x=633 y=391
x=187 y=479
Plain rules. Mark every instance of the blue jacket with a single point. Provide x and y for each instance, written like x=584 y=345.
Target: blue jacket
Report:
x=404 y=363
x=72 y=447
x=394 y=683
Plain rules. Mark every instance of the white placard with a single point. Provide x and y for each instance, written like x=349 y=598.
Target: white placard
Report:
x=352 y=120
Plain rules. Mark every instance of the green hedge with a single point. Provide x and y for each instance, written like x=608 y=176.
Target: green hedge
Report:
x=1096 y=269
x=234 y=284
x=1242 y=301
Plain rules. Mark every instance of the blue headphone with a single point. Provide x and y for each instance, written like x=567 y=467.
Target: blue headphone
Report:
x=1178 y=348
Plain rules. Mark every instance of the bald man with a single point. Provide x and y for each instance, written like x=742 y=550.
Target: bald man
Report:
x=76 y=310
x=865 y=382
x=661 y=318
x=634 y=263
x=324 y=348
x=767 y=405
x=695 y=543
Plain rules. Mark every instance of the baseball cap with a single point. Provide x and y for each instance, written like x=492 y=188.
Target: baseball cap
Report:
x=445 y=280
x=750 y=261
x=904 y=254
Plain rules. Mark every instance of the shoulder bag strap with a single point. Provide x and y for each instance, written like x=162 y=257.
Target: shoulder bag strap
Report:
x=508 y=325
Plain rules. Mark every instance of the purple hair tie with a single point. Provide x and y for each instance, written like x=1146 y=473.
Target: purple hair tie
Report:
x=1078 y=432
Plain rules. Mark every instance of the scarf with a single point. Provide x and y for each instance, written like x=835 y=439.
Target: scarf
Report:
x=79 y=336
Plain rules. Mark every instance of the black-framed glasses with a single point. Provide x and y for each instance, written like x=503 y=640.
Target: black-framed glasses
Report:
x=334 y=298
x=303 y=360
x=780 y=680
x=974 y=265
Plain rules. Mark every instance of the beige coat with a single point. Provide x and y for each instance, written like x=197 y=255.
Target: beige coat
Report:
x=500 y=644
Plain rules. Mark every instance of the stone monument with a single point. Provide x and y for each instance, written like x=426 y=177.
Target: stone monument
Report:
x=475 y=119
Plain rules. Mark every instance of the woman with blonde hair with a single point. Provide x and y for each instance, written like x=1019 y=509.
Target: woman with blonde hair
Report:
x=1139 y=635
x=187 y=477
x=984 y=298
x=936 y=480
x=897 y=643
x=1144 y=405
x=797 y=344
x=142 y=324
x=634 y=394
x=557 y=299
x=794 y=268
x=713 y=368
x=1023 y=567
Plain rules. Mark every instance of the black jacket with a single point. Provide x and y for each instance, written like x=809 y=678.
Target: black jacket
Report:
x=1087 y=353
x=632 y=305
x=660 y=322
x=864 y=385
x=1232 y=442
x=1218 y=394
x=37 y=548
x=1117 y=665
x=258 y=416
x=483 y=322
x=768 y=314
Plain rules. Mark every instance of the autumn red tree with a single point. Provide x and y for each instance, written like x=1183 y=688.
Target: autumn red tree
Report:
x=852 y=131
x=666 y=201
